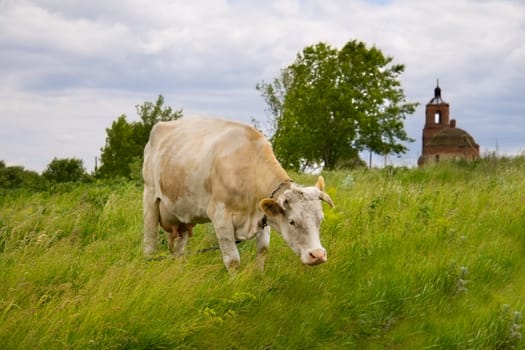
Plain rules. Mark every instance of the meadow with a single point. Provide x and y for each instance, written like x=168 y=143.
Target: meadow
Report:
x=430 y=258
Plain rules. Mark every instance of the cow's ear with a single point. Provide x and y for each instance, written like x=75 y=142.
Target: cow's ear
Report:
x=270 y=207
x=320 y=183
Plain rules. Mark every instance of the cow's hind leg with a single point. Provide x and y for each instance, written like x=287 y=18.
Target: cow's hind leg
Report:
x=171 y=236
x=179 y=245
x=151 y=221
x=178 y=238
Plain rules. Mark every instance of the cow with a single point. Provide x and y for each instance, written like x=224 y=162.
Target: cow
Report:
x=198 y=170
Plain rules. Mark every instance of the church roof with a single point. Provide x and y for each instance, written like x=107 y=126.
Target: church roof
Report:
x=453 y=137
x=436 y=100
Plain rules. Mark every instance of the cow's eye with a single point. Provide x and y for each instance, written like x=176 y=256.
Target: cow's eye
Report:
x=291 y=222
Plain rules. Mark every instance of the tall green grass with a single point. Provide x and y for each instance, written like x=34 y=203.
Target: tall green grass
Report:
x=430 y=258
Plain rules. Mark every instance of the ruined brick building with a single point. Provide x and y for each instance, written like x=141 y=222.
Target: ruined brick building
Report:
x=442 y=140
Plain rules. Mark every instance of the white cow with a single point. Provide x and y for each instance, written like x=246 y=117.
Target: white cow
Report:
x=198 y=170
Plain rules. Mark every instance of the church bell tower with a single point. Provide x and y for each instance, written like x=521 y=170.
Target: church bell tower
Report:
x=437 y=116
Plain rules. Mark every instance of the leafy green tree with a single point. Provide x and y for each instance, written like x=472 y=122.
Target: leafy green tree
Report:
x=331 y=104
x=125 y=140
x=121 y=146
x=65 y=170
x=12 y=177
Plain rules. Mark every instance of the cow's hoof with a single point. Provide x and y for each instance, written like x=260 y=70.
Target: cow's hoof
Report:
x=233 y=267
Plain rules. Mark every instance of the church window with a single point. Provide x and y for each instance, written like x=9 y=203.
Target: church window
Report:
x=437 y=117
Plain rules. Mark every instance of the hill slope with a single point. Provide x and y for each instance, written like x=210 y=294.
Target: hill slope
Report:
x=418 y=258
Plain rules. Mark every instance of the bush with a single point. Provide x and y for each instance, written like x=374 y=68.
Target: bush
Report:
x=12 y=177
x=65 y=170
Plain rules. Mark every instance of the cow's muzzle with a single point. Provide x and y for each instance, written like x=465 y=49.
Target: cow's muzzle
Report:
x=316 y=257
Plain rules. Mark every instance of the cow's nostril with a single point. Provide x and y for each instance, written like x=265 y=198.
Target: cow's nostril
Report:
x=317 y=254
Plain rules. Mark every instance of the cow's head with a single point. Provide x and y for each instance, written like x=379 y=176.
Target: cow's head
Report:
x=297 y=213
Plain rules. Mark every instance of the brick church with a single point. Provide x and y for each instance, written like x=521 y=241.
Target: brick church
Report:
x=442 y=140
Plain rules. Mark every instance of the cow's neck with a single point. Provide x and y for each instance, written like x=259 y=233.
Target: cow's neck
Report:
x=283 y=186
x=279 y=189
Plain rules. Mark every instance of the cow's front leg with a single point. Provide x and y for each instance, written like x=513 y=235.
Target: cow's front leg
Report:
x=230 y=254
x=223 y=224
x=263 y=242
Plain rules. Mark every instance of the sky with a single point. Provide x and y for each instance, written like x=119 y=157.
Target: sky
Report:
x=68 y=69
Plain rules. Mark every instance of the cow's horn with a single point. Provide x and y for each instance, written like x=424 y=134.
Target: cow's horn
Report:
x=324 y=197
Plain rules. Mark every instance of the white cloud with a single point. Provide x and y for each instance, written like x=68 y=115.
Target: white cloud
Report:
x=81 y=64
x=32 y=27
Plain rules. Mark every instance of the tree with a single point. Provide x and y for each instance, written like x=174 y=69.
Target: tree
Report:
x=12 y=177
x=331 y=104
x=65 y=170
x=125 y=141
x=121 y=146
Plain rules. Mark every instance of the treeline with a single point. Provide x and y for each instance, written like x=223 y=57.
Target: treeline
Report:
x=121 y=155
x=58 y=171
x=323 y=109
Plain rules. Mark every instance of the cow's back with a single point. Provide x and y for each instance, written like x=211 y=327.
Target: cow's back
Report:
x=191 y=161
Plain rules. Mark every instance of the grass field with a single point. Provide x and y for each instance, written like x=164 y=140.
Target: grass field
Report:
x=429 y=258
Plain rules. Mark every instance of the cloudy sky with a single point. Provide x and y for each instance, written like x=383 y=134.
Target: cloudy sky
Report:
x=69 y=68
